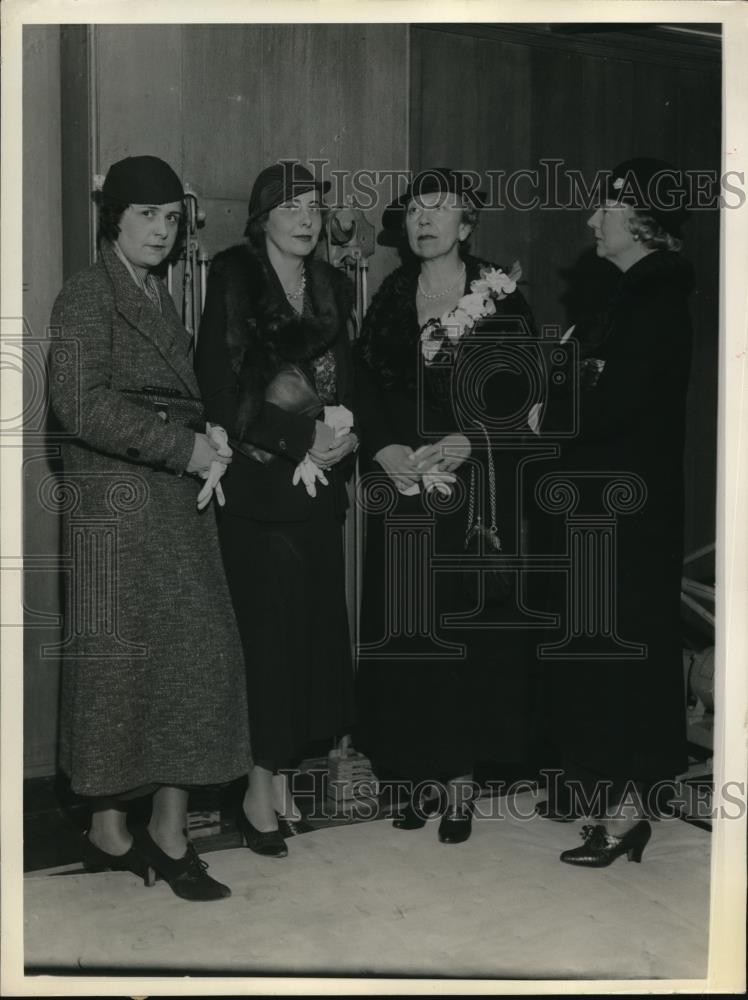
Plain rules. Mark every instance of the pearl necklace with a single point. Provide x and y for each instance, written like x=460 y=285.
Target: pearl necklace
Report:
x=443 y=291
x=298 y=293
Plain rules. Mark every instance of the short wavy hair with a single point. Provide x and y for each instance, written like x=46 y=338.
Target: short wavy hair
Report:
x=650 y=233
x=470 y=217
x=110 y=214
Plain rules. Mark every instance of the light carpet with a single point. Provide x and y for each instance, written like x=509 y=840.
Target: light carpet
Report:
x=368 y=899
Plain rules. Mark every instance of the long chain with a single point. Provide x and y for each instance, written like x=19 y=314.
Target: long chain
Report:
x=491 y=487
x=443 y=291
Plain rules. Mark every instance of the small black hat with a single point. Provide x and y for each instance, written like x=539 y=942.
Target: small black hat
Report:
x=434 y=179
x=281 y=182
x=652 y=186
x=142 y=180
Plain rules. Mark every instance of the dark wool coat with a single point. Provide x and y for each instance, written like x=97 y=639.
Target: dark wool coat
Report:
x=624 y=717
x=282 y=549
x=248 y=330
x=153 y=681
x=434 y=714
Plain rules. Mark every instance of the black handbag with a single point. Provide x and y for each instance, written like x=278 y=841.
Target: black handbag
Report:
x=289 y=390
x=171 y=405
x=498 y=582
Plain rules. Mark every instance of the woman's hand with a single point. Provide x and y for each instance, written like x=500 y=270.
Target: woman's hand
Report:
x=324 y=439
x=204 y=452
x=448 y=454
x=343 y=446
x=398 y=462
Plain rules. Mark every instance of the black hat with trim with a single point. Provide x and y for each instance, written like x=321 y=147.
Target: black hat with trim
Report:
x=435 y=179
x=652 y=186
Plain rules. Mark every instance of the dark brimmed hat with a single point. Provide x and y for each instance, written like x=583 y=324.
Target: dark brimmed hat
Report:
x=440 y=179
x=281 y=182
x=142 y=180
x=652 y=186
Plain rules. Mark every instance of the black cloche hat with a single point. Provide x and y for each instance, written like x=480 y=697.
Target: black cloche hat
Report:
x=281 y=182
x=142 y=180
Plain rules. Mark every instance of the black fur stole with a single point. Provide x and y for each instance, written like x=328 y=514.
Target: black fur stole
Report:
x=263 y=331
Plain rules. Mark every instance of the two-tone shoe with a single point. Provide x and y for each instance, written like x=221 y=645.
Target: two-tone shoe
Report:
x=601 y=848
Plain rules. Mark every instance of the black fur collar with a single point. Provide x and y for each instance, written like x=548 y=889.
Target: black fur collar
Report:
x=263 y=331
x=262 y=328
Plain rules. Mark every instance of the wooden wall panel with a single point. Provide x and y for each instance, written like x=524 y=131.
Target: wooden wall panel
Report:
x=221 y=116
x=373 y=101
x=700 y=127
x=74 y=100
x=220 y=102
x=302 y=78
x=139 y=92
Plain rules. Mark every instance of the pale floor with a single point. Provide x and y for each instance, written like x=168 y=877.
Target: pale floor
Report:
x=367 y=899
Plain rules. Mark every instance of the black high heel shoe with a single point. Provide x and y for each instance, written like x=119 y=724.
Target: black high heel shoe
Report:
x=96 y=860
x=601 y=848
x=270 y=844
x=187 y=876
x=457 y=824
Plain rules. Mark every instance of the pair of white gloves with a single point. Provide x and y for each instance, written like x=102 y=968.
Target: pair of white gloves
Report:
x=340 y=420
x=432 y=479
x=212 y=477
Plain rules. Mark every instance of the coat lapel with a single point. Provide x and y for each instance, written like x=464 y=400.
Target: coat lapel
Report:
x=163 y=330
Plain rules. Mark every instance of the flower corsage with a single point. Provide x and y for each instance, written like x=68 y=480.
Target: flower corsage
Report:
x=492 y=286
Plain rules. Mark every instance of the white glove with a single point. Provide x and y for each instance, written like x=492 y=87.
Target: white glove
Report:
x=439 y=481
x=432 y=480
x=220 y=439
x=309 y=473
x=339 y=418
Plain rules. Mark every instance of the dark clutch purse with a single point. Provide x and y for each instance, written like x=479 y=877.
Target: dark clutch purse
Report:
x=498 y=582
x=171 y=405
x=292 y=391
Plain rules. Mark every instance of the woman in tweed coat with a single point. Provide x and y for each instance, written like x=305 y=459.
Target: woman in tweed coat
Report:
x=153 y=692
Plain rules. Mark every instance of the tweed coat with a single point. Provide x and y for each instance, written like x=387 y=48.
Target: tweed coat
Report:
x=153 y=688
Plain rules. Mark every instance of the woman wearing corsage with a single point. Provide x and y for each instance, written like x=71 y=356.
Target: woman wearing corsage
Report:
x=617 y=721
x=430 y=695
x=273 y=362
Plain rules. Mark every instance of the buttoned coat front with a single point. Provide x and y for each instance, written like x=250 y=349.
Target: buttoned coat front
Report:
x=153 y=688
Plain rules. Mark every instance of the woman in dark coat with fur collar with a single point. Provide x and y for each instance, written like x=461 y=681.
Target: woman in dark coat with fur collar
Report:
x=614 y=714
x=272 y=352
